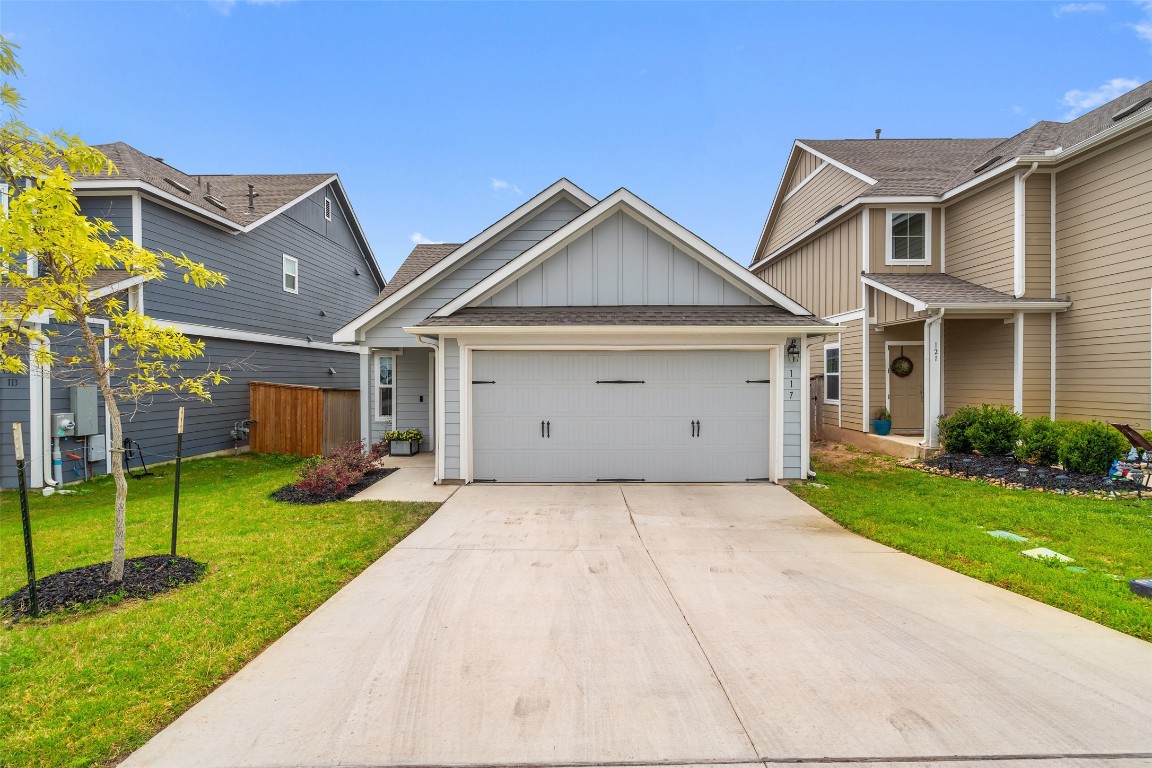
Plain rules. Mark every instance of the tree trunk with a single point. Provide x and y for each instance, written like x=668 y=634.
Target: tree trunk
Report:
x=115 y=460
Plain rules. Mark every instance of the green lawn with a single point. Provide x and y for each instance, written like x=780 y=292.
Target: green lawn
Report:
x=85 y=688
x=943 y=520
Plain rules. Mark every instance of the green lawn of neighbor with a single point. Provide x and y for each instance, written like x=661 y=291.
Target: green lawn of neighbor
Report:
x=86 y=687
x=944 y=519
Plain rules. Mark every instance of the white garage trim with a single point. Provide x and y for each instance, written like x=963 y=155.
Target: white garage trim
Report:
x=776 y=397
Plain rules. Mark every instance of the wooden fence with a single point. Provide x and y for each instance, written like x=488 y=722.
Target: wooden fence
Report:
x=303 y=421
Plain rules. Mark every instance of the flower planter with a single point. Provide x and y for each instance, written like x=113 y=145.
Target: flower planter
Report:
x=881 y=426
x=403 y=447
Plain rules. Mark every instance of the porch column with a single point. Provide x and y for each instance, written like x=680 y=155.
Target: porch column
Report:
x=933 y=380
x=366 y=392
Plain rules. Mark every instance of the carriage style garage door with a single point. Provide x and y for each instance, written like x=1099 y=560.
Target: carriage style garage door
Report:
x=692 y=416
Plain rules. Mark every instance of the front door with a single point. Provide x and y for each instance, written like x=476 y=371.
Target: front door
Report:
x=906 y=392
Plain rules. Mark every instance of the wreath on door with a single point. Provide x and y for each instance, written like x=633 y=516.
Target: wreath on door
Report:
x=901 y=366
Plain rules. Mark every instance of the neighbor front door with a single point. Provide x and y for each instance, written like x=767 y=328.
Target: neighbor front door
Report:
x=906 y=393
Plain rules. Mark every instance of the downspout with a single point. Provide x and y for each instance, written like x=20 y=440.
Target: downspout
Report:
x=1020 y=201
x=45 y=397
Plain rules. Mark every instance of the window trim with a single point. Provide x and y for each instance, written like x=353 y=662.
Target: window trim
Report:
x=377 y=386
x=295 y=274
x=327 y=209
x=890 y=213
x=839 y=372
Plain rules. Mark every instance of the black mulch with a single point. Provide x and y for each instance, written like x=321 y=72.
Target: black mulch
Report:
x=143 y=577
x=293 y=495
x=1005 y=470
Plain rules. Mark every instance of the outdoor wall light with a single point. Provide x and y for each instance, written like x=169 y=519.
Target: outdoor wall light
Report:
x=793 y=351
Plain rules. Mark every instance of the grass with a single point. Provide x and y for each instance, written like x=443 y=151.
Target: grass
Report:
x=943 y=520
x=86 y=687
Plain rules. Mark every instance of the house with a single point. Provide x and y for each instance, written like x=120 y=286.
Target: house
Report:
x=298 y=266
x=964 y=271
x=579 y=340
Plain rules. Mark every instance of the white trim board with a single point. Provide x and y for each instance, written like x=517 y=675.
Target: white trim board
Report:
x=803 y=182
x=846 y=168
x=620 y=200
x=1038 y=305
x=212 y=332
x=562 y=189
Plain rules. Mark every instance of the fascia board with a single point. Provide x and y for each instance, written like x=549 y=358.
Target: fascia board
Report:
x=116 y=287
x=917 y=304
x=611 y=330
x=161 y=195
x=832 y=161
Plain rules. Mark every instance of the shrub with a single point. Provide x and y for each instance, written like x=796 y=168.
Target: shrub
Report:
x=1091 y=447
x=995 y=430
x=1041 y=440
x=404 y=434
x=954 y=429
x=322 y=478
x=352 y=456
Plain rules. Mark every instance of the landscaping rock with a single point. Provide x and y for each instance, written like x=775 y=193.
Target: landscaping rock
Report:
x=1043 y=553
x=1142 y=587
x=293 y=495
x=143 y=577
x=1007 y=471
x=1007 y=535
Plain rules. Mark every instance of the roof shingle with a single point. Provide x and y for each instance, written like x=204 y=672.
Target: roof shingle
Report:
x=422 y=258
x=938 y=290
x=759 y=316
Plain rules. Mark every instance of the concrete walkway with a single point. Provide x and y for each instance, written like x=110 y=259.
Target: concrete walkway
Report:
x=413 y=481
x=673 y=625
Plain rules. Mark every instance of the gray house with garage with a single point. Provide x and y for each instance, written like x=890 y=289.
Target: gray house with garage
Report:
x=298 y=265
x=581 y=340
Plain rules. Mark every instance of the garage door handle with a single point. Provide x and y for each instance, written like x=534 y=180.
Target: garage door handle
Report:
x=697 y=429
x=541 y=429
x=549 y=424
x=620 y=381
x=757 y=381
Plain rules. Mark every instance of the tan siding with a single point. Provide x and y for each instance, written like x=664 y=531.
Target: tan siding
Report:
x=977 y=362
x=980 y=236
x=823 y=275
x=878 y=365
x=830 y=188
x=1038 y=236
x=1037 y=368
x=1104 y=265
x=878 y=234
x=805 y=164
x=888 y=309
x=852 y=376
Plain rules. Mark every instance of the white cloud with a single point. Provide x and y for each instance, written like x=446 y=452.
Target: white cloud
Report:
x=1070 y=8
x=1143 y=28
x=1079 y=102
x=225 y=7
x=419 y=239
x=499 y=185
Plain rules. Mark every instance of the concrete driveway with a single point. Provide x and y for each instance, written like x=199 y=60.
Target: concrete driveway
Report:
x=673 y=625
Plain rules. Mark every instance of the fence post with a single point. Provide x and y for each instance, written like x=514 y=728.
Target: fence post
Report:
x=25 y=520
x=176 y=491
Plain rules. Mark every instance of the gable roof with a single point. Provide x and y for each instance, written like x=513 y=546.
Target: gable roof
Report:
x=619 y=200
x=940 y=291
x=561 y=190
x=104 y=282
x=904 y=166
x=422 y=258
x=687 y=315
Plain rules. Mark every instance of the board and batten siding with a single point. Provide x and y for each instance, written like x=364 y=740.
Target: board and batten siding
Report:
x=980 y=237
x=795 y=411
x=878 y=235
x=828 y=189
x=806 y=163
x=450 y=440
x=1104 y=265
x=913 y=334
x=889 y=310
x=390 y=333
x=619 y=262
x=822 y=275
x=852 y=375
x=976 y=362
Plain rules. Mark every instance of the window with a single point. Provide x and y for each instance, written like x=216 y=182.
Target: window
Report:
x=385 y=387
x=327 y=209
x=291 y=274
x=909 y=234
x=832 y=373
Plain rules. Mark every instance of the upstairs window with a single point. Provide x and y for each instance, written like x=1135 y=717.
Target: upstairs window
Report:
x=832 y=373
x=909 y=234
x=291 y=274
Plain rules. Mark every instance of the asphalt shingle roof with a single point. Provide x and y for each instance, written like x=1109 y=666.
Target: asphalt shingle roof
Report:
x=422 y=258
x=940 y=290
x=626 y=315
x=102 y=279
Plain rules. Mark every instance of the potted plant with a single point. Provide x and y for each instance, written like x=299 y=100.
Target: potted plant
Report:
x=404 y=442
x=882 y=422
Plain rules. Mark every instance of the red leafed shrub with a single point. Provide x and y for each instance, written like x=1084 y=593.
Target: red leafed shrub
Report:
x=352 y=457
x=324 y=478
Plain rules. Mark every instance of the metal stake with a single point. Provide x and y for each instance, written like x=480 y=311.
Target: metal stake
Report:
x=176 y=491
x=25 y=520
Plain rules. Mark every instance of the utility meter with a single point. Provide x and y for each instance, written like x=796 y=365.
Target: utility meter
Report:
x=63 y=424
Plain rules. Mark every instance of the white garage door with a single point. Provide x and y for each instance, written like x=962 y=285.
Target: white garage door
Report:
x=691 y=416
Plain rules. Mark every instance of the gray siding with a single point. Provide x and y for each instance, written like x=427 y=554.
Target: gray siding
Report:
x=450 y=440
x=14 y=404
x=412 y=383
x=795 y=410
x=254 y=298
x=310 y=213
x=390 y=332
x=116 y=209
x=619 y=262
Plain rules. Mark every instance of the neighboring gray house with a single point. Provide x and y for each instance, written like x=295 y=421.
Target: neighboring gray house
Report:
x=298 y=267
x=579 y=339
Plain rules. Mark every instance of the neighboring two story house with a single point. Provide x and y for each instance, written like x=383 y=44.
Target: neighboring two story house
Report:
x=582 y=340
x=298 y=266
x=964 y=271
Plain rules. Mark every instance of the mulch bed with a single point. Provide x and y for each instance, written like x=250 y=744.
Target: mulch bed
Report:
x=292 y=495
x=143 y=577
x=1005 y=470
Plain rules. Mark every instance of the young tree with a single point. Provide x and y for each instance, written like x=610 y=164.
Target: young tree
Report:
x=44 y=226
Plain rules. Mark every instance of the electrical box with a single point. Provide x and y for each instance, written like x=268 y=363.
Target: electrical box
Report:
x=83 y=401
x=97 y=448
x=63 y=424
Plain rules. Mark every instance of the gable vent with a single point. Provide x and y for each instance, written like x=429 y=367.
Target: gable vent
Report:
x=987 y=164
x=178 y=185
x=1132 y=109
x=216 y=202
x=327 y=209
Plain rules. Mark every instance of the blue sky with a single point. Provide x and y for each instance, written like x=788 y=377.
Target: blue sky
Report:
x=440 y=118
